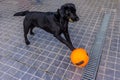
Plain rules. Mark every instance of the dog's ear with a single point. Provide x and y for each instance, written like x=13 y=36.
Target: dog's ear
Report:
x=64 y=9
x=68 y=5
x=58 y=11
x=62 y=12
x=72 y=5
x=57 y=14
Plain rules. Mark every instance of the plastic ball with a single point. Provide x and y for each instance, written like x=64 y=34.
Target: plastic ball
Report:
x=79 y=57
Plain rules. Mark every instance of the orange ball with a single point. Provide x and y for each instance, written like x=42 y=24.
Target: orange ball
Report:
x=79 y=57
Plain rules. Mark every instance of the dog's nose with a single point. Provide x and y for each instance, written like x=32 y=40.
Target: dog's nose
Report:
x=77 y=18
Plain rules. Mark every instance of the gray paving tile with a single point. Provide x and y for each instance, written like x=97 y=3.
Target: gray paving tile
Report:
x=60 y=72
x=44 y=66
x=47 y=76
x=99 y=77
x=4 y=68
x=59 y=57
x=108 y=78
x=8 y=77
x=35 y=78
x=32 y=70
x=56 y=77
x=26 y=77
x=64 y=65
x=36 y=64
x=110 y=65
x=48 y=60
x=39 y=73
x=56 y=63
x=68 y=75
x=117 y=67
x=41 y=58
x=71 y=68
x=24 y=68
x=11 y=71
x=19 y=74
x=109 y=72
x=1 y=73
x=77 y=77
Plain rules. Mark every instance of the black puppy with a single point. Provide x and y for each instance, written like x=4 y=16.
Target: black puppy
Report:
x=52 y=22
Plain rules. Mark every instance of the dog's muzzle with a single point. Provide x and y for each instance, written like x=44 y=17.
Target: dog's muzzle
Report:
x=70 y=20
x=75 y=19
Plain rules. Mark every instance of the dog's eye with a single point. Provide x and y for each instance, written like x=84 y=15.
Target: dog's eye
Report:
x=67 y=12
x=73 y=11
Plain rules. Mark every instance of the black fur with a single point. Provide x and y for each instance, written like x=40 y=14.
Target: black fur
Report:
x=55 y=23
x=21 y=13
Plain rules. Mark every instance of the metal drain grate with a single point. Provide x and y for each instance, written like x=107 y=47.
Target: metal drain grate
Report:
x=91 y=69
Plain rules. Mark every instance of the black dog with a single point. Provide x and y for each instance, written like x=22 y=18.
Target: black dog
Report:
x=52 y=22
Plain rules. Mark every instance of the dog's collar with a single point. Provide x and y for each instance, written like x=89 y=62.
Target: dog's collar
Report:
x=70 y=20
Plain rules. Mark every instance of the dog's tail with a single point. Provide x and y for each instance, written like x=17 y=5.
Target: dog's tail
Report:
x=23 y=13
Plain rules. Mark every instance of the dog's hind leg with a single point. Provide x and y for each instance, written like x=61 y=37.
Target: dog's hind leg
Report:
x=26 y=30
x=31 y=29
x=26 y=25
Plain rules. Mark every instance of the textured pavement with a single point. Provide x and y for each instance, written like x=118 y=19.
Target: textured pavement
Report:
x=48 y=59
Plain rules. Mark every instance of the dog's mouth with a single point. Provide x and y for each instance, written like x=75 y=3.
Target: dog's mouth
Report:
x=70 y=20
x=73 y=20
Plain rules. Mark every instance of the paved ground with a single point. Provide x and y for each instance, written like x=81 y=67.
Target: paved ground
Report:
x=48 y=59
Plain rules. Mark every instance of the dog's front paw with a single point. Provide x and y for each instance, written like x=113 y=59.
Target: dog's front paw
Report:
x=32 y=33
x=27 y=42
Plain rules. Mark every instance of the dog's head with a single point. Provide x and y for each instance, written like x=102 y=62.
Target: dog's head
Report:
x=68 y=11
